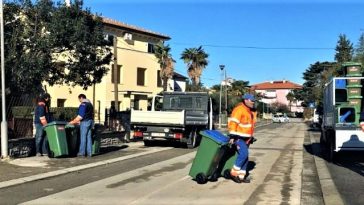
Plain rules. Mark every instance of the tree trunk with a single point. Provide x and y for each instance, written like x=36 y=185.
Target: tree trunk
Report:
x=165 y=81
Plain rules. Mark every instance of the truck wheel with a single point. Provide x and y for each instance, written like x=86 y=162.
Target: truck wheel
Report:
x=192 y=139
x=331 y=153
x=148 y=143
x=322 y=141
x=201 y=178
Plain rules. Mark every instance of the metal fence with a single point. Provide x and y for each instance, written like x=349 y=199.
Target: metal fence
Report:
x=20 y=124
x=117 y=121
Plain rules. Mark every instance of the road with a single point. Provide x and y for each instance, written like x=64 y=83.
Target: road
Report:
x=283 y=172
x=347 y=173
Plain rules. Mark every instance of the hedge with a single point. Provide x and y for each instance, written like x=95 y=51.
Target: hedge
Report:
x=58 y=113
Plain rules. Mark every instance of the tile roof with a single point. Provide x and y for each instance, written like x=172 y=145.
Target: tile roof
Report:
x=281 y=84
x=125 y=26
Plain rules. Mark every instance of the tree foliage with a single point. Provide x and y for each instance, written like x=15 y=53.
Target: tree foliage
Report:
x=51 y=43
x=344 y=49
x=315 y=78
x=196 y=60
x=359 y=50
x=166 y=62
x=235 y=91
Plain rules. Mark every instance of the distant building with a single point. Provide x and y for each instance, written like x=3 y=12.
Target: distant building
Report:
x=177 y=83
x=276 y=92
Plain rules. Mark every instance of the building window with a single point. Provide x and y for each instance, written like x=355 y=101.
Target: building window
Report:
x=141 y=76
x=118 y=74
x=60 y=102
x=151 y=48
x=159 y=80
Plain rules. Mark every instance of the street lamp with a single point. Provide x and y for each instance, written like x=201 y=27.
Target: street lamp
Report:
x=222 y=76
x=4 y=124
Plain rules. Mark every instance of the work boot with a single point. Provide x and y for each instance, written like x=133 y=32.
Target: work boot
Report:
x=234 y=173
x=244 y=179
x=239 y=179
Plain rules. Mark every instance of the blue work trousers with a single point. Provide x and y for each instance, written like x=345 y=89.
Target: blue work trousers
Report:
x=86 y=138
x=40 y=139
x=242 y=159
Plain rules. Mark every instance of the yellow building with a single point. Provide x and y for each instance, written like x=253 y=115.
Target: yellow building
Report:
x=137 y=73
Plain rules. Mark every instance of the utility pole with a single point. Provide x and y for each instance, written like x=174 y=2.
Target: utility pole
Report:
x=115 y=72
x=221 y=68
x=225 y=93
x=4 y=124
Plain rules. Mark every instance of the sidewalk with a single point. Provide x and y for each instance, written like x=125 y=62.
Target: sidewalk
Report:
x=21 y=170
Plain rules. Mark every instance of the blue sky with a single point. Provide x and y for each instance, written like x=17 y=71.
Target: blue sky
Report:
x=257 y=41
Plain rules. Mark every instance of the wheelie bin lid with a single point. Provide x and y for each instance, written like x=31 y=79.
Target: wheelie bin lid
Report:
x=216 y=136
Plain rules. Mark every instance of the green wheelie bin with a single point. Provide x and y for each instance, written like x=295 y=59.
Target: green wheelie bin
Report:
x=96 y=139
x=57 y=141
x=208 y=156
x=73 y=139
x=228 y=160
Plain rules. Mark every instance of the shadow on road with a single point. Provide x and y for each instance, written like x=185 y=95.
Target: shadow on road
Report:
x=353 y=161
x=104 y=150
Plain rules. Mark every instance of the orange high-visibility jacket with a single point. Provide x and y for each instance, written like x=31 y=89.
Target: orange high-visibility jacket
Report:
x=242 y=121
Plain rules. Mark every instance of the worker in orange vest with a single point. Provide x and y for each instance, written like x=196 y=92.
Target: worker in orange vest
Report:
x=241 y=127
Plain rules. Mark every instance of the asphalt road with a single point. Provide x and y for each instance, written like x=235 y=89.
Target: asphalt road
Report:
x=282 y=167
x=347 y=173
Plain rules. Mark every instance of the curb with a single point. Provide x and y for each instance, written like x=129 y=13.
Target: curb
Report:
x=36 y=177
x=329 y=191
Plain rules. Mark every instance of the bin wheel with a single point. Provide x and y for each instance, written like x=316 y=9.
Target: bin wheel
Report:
x=214 y=177
x=227 y=174
x=201 y=178
x=49 y=151
x=50 y=154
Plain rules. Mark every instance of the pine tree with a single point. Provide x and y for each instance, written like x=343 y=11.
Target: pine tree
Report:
x=344 y=49
x=359 y=50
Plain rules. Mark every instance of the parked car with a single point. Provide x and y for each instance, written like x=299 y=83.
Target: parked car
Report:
x=280 y=118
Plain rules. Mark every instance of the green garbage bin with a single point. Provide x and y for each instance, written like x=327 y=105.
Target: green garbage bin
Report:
x=228 y=160
x=57 y=141
x=96 y=140
x=208 y=155
x=73 y=139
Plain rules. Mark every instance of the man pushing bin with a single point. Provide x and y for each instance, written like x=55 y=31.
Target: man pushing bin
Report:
x=241 y=127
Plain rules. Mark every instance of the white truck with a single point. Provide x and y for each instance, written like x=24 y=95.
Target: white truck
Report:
x=342 y=108
x=182 y=117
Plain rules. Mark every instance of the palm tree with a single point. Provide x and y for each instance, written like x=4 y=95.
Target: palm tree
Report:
x=196 y=60
x=166 y=62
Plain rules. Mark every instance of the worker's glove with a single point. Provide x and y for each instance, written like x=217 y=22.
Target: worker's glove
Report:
x=252 y=140
x=75 y=121
x=43 y=120
x=362 y=126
